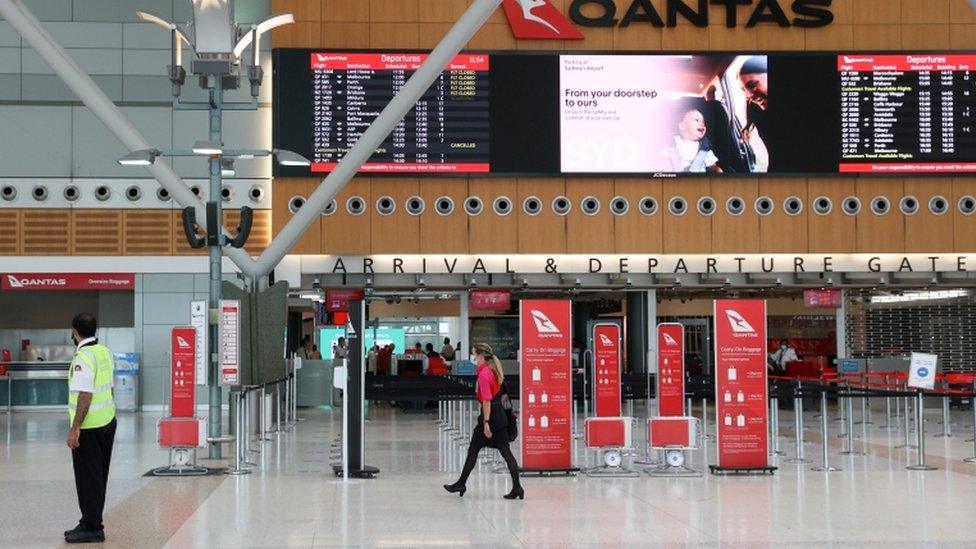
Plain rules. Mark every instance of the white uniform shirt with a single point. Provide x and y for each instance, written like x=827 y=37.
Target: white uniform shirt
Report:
x=82 y=373
x=782 y=356
x=688 y=151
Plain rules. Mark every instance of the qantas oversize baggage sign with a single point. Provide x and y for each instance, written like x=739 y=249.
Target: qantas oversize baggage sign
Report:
x=740 y=383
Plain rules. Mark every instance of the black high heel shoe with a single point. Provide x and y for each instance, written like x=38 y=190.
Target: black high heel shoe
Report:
x=456 y=488
x=516 y=493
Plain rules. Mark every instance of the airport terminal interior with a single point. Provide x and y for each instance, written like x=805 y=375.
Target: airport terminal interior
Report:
x=488 y=273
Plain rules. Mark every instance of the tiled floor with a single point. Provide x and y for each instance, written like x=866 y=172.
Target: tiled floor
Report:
x=293 y=500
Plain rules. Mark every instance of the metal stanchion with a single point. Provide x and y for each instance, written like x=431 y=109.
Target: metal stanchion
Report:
x=238 y=468
x=704 y=416
x=774 y=425
x=908 y=440
x=864 y=404
x=689 y=405
x=920 y=436
x=946 y=426
x=850 y=451
x=825 y=467
x=887 y=426
x=277 y=407
x=798 y=424
x=973 y=459
x=262 y=422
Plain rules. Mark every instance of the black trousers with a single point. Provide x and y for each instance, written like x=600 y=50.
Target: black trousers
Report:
x=91 y=460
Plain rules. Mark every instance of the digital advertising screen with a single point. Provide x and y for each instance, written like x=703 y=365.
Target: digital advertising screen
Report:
x=526 y=114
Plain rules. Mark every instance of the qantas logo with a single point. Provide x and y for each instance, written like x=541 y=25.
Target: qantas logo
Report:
x=35 y=282
x=739 y=324
x=539 y=20
x=182 y=343
x=544 y=325
x=605 y=340
x=668 y=340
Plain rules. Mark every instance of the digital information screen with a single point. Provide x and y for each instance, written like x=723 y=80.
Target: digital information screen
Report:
x=907 y=113
x=447 y=131
x=524 y=114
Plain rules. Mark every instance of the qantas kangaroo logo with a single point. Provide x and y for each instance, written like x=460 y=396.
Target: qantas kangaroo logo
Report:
x=543 y=324
x=539 y=20
x=668 y=340
x=605 y=340
x=182 y=343
x=739 y=324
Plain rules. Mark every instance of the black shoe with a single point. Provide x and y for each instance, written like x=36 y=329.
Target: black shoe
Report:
x=516 y=493
x=456 y=488
x=83 y=536
x=78 y=528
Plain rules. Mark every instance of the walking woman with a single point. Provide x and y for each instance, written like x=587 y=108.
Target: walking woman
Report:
x=492 y=428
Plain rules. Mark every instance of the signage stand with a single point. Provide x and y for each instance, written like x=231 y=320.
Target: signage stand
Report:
x=181 y=433
x=545 y=367
x=353 y=398
x=741 y=387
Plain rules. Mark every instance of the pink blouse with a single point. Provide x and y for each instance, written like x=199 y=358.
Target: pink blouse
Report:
x=487 y=386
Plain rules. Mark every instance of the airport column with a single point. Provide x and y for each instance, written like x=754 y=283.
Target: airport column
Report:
x=216 y=253
x=353 y=398
x=841 y=329
x=638 y=331
x=465 y=337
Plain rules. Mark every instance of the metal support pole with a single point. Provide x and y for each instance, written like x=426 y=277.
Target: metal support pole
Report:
x=908 y=430
x=887 y=425
x=216 y=274
x=920 y=435
x=798 y=425
x=774 y=415
x=825 y=466
x=238 y=468
x=704 y=416
x=850 y=451
x=973 y=459
x=946 y=426
x=689 y=406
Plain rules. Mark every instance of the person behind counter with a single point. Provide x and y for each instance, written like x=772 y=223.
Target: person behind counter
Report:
x=430 y=352
x=492 y=428
x=314 y=354
x=91 y=414
x=339 y=352
x=448 y=350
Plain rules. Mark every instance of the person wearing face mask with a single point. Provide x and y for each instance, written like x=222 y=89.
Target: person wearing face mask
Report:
x=91 y=413
x=782 y=356
x=492 y=428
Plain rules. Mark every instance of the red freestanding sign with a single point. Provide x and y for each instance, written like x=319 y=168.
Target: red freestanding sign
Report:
x=182 y=396
x=740 y=383
x=671 y=370
x=606 y=366
x=546 y=392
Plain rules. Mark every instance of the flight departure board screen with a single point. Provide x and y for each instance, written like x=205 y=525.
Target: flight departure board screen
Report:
x=447 y=131
x=518 y=114
x=907 y=113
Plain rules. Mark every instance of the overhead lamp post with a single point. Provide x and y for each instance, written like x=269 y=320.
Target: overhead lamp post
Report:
x=219 y=45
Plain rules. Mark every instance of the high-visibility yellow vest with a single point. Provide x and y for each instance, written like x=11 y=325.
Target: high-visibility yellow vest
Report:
x=102 y=409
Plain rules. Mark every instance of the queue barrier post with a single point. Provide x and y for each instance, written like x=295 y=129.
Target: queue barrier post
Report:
x=774 y=416
x=864 y=405
x=973 y=459
x=920 y=435
x=238 y=468
x=946 y=425
x=907 y=426
x=704 y=416
x=887 y=426
x=825 y=467
x=798 y=423
x=850 y=451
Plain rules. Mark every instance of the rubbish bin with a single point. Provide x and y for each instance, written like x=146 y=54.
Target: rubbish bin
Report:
x=126 y=382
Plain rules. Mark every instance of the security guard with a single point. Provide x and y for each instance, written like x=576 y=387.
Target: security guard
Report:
x=91 y=411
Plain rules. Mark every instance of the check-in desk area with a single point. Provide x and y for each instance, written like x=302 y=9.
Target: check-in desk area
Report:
x=34 y=386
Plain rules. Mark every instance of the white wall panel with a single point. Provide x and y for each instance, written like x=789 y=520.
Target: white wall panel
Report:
x=96 y=150
x=36 y=141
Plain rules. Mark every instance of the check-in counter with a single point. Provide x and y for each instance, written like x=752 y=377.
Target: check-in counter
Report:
x=34 y=385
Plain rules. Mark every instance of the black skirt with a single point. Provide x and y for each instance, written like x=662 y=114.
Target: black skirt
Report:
x=499 y=429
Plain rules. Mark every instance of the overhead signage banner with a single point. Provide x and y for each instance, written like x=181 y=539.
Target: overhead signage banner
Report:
x=68 y=281
x=741 y=384
x=606 y=364
x=546 y=384
x=639 y=264
x=490 y=300
x=338 y=300
x=671 y=370
x=230 y=342
x=198 y=319
x=822 y=299
x=182 y=395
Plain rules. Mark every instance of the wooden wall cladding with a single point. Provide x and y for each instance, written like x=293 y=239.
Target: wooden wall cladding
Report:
x=149 y=232
x=260 y=229
x=859 y=24
x=399 y=232
x=180 y=245
x=96 y=232
x=10 y=232
x=284 y=192
x=46 y=232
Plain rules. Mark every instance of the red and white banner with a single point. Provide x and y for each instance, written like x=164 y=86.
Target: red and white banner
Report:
x=229 y=332
x=822 y=299
x=606 y=370
x=68 y=281
x=740 y=383
x=671 y=370
x=182 y=395
x=338 y=300
x=490 y=300
x=546 y=393
x=395 y=61
x=859 y=62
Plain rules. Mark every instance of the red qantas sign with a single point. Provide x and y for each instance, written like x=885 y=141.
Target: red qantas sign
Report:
x=539 y=20
x=67 y=281
x=606 y=354
x=671 y=370
x=182 y=396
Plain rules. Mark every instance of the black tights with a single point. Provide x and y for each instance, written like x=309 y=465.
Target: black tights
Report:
x=472 y=460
